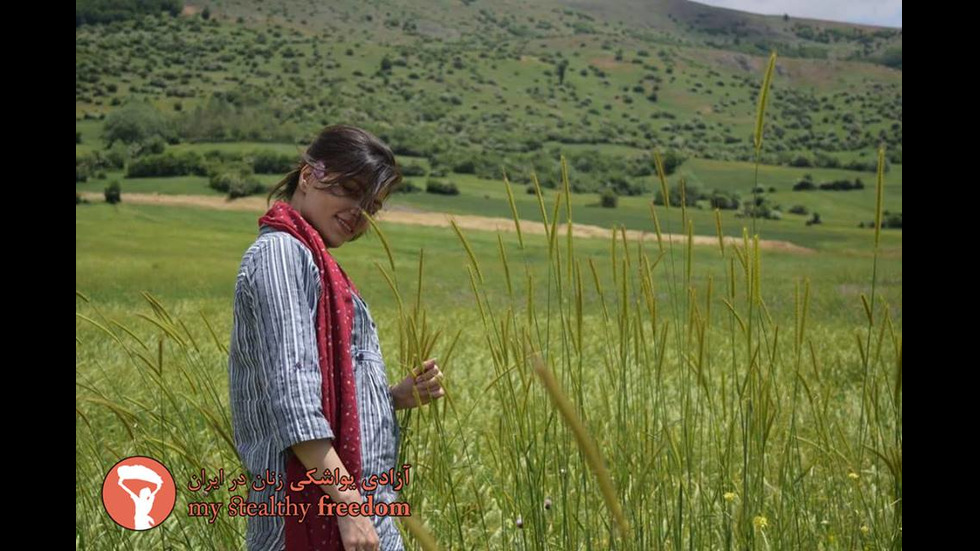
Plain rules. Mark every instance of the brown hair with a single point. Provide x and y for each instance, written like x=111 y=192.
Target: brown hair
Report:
x=348 y=153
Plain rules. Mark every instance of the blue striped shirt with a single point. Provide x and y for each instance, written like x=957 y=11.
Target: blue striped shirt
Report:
x=274 y=377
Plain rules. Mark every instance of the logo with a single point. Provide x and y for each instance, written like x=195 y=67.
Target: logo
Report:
x=139 y=493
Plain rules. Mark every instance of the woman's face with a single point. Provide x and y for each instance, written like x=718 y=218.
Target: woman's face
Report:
x=337 y=218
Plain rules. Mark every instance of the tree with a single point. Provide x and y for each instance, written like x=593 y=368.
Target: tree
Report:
x=113 y=192
x=671 y=161
x=562 y=66
x=609 y=199
x=136 y=124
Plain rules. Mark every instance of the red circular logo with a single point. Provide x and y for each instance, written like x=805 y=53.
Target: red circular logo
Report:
x=139 y=493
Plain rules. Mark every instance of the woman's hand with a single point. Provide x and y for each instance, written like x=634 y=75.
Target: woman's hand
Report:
x=420 y=388
x=358 y=533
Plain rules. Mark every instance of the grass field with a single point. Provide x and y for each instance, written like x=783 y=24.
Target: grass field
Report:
x=706 y=444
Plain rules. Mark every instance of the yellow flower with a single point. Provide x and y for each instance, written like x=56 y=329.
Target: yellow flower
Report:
x=729 y=496
x=760 y=522
x=852 y=475
x=865 y=529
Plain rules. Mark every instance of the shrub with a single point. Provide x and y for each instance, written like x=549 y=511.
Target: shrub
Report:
x=691 y=196
x=137 y=123
x=153 y=146
x=442 y=188
x=889 y=220
x=82 y=170
x=467 y=166
x=236 y=181
x=412 y=169
x=724 y=201
x=113 y=192
x=167 y=164
x=622 y=186
x=407 y=187
x=842 y=185
x=270 y=162
x=608 y=199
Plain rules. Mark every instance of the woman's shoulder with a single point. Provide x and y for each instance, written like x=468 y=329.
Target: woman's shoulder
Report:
x=280 y=246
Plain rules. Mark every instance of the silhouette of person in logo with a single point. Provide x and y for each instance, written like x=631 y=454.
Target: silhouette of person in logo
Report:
x=143 y=503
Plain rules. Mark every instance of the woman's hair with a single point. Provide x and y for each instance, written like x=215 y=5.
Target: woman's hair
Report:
x=347 y=153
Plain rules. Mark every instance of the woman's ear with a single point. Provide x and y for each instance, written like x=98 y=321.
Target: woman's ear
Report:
x=303 y=181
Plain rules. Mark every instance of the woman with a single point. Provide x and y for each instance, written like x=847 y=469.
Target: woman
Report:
x=306 y=375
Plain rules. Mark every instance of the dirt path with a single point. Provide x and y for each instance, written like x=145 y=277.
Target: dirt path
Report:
x=408 y=215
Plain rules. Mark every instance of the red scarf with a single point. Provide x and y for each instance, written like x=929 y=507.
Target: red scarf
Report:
x=334 y=320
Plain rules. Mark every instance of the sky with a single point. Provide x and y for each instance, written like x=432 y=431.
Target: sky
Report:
x=887 y=13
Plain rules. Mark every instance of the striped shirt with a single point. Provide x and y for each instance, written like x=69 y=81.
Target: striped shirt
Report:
x=274 y=406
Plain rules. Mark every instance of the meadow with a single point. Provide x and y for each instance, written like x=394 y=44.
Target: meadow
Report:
x=709 y=441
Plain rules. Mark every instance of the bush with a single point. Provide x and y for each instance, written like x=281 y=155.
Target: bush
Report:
x=82 y=170
x=113 y=192
x=270 y=162
x=760 y=207
x=442 y=188
x=245 y=186
x=724 y=201
x=842 y=185
x=801 y=160
x=407 y=187
x=236 y=181
x=411 y=169
x=465 y=167
x=167 y=164
x=137 y=123
x=889 y=220
x=154 y=145
x=622 y=186
x=671 y=161
x=608 y=199
x=892 y=221
x=90 y=165
x=799 y=209
x=115 y=157
x=826 y=161
x=691 y=196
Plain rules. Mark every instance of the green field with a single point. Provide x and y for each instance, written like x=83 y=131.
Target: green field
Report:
x=671 y=434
